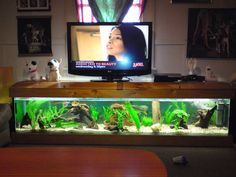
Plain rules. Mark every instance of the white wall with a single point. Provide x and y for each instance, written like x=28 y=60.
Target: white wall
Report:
x=61 y=11
x=171 y=22
x=170 y=31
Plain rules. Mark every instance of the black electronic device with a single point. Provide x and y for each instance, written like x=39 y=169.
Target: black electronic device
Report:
x=193 y=78
x=178 y=78
x=170 y=77
x=87 y=51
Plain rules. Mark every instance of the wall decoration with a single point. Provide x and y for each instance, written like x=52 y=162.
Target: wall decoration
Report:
x=190 y=1
x=211 y=33
x=33 y=5
x=34 y=36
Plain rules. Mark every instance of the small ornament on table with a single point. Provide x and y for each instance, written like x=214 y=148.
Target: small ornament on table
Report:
x=191 y=65
x=54 y=70
x=31 y=71
x=210 y=75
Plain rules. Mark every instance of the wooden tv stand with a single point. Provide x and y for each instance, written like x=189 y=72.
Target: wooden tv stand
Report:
x=122 y=90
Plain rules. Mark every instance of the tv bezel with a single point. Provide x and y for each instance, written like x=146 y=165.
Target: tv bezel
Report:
x=110 y=73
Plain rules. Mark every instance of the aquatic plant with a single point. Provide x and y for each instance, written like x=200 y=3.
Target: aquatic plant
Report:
x=69 y=124
x=179 y=118
x=133 y=114
x=147 y=121
x=168 y=114
x=213 y=119
x=55 y=111
x=166 y=117
x=107 y=112
x=19 y=111
x=120 y=118
x=180 y=105
x=94 y=113
x=46 y=116
x=32 y=109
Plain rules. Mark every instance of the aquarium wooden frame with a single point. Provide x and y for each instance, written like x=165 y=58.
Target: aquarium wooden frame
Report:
x=121 y=90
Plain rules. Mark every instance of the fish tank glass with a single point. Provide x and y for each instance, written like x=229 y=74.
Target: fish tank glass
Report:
x=138 y=116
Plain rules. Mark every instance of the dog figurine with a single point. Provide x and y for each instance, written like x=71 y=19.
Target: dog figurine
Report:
x=54 y=73
x=31 y=70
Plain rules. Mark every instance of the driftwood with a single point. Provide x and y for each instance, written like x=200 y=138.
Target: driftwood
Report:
x=79 y=113
x=156 y=111
x=205 y=119
x=26 y=120
x=112 y=124
x=183 y=124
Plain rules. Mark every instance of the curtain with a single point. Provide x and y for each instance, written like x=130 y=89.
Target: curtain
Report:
x=110 y=10
x=144 y=2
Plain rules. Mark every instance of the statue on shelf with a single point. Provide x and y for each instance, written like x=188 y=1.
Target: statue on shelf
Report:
x=54 y=72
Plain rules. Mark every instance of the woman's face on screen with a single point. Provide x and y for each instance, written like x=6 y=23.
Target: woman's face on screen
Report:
x=115 y=45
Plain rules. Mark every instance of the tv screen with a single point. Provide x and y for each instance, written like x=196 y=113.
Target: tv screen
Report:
x=109 y=50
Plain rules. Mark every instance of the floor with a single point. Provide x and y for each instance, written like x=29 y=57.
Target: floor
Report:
x=202 y=161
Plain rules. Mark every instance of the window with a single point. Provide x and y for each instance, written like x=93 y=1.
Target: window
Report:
x=84 y=13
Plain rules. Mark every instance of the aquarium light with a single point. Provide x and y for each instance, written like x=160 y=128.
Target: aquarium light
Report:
x=82 y=99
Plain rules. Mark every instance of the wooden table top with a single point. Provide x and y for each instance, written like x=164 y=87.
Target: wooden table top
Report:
x=122 y=89
x=79 y=162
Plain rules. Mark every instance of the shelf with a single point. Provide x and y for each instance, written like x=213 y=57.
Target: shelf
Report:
x=122 y=89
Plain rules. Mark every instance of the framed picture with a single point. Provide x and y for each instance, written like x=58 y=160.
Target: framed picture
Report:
x=34 y=36
x=190 y=1
x=33 y=5
x=211 y=33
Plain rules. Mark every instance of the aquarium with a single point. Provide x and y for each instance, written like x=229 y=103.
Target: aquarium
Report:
x=124 y=116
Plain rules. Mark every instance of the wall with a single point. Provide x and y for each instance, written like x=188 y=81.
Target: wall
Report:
x=61 y=11
x=171 y=22
x=170 y=31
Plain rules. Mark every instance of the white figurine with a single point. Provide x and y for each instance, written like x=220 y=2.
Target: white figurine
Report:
x=209 y=74
x=191 y=64
x=54 y=73
x=31 y=70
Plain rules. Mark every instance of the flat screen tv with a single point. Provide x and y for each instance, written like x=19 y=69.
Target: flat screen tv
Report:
x=109 y=50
